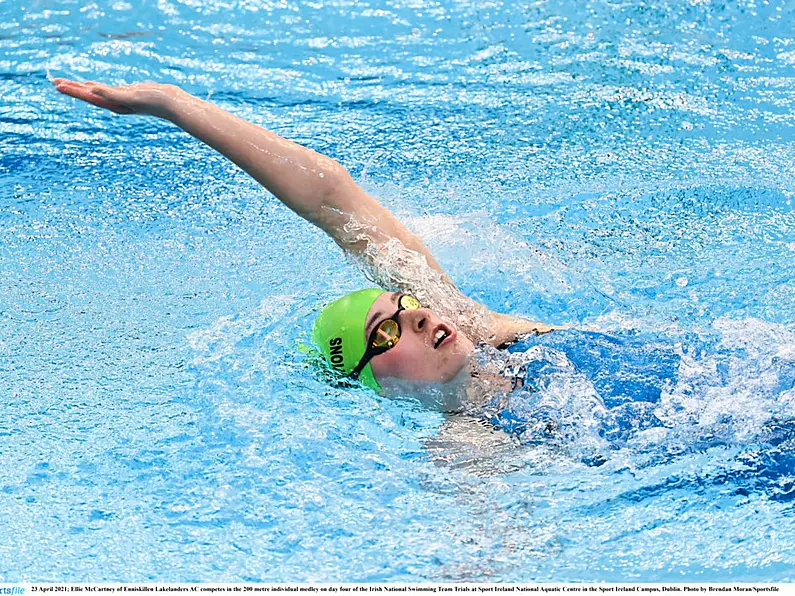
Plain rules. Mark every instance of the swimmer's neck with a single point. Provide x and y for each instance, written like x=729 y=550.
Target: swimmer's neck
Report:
x=473 y=387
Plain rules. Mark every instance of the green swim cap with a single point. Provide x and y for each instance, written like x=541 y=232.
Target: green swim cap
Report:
x=339 y=333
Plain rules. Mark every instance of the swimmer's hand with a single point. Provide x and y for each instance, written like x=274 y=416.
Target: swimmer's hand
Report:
x=510 y=329
x=148 y=99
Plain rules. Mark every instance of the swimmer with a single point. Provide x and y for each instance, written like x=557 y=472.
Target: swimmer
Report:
x=424 y=333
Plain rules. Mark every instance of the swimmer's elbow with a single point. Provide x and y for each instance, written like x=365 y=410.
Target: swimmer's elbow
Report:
x=342 y=201
x=317 y=200
x=340 y=191
x=357 y=221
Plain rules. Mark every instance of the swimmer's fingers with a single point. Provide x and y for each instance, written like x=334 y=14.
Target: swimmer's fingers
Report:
x=151 y=99
x=535 y=331
x=112 y=99
x=96 y=94
x=509 y=329
x=542 y=329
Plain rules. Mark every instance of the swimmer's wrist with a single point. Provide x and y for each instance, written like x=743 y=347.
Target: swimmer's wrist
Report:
x=172 y=102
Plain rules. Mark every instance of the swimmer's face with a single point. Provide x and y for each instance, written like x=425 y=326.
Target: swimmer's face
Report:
x=415 y=356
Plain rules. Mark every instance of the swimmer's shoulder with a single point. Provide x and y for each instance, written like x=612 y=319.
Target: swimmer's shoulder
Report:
x=509 y=329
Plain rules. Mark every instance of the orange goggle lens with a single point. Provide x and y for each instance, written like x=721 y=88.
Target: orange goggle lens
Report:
x=387 y=334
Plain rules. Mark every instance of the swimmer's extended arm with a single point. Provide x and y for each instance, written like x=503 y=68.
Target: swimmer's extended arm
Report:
x=316 y=187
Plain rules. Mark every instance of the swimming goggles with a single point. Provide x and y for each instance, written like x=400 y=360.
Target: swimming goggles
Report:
x=386 y=335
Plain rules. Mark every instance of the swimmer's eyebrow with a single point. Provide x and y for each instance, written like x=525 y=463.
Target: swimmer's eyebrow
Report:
x=378 y=315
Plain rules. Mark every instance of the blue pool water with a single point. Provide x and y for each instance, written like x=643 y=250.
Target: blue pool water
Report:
x=624 y=168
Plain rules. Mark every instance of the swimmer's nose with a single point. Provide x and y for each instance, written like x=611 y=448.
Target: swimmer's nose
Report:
x=419 y=319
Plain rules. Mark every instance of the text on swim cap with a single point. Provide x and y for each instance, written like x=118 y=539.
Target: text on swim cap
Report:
x=335 y=356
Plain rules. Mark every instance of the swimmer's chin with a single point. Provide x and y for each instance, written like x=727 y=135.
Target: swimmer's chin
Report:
x=448 y=397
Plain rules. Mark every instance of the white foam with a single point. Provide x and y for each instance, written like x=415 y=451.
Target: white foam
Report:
x=220 y=339
x=732 y=392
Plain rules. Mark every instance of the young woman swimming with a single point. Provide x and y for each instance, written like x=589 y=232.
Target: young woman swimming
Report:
x=373 y=335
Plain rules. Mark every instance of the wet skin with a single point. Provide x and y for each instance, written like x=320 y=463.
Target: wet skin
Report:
x=414 y=357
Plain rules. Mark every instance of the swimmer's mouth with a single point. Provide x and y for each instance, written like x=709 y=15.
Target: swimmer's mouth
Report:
x=442 y=335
